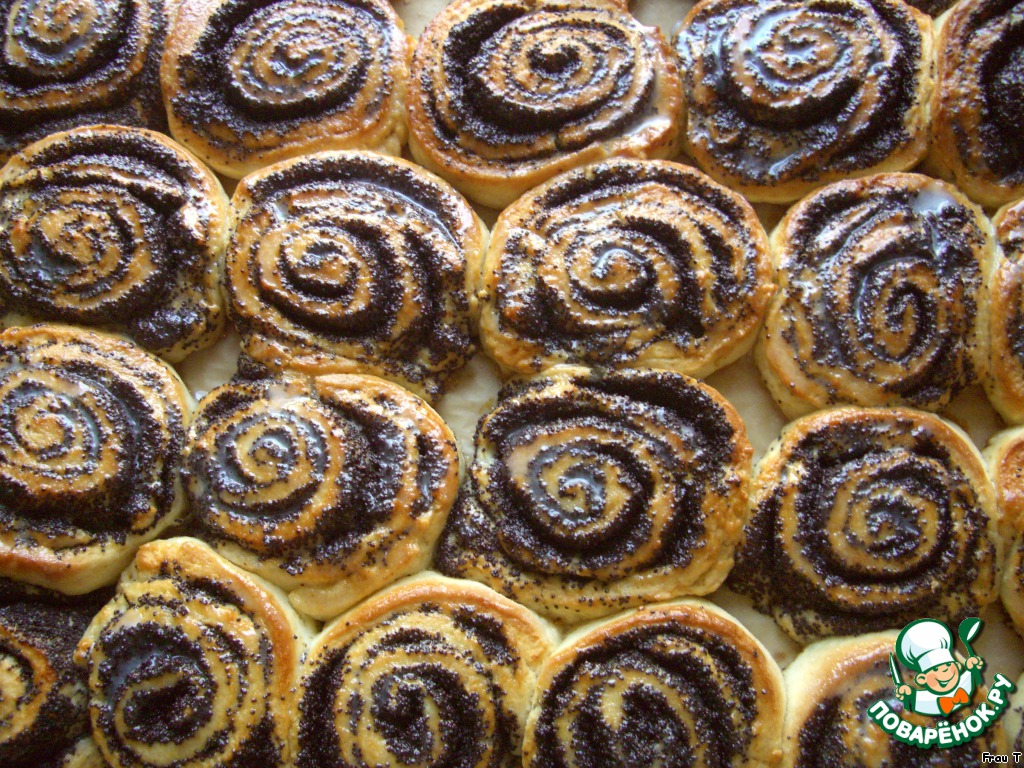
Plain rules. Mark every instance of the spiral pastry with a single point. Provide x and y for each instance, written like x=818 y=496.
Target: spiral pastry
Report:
x=829 y=689
x=331 y=487
x=115 y=228
x=591 y=492
x=880 y=296
x=1005 y=454
x=1005 y=380
x=251 y=82
x=91 y=428
x=504 y=94
x=680 y=684
x=65 y=63
x=865 y=519
x=193 y=663
x=353 y=262
x=44 y=720
x=976 y=138
x=784 y=95
x=432 y=672
x=628 y=262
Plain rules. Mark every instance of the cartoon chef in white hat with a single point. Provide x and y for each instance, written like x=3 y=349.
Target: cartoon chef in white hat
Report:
x=945 y=684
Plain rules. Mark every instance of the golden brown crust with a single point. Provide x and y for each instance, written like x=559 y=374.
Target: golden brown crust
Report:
x=193 y=662
x=115 y=228
x=976 y=137
x=773 y=119
x=78 y=62
x=331 y=487
x=683 y=679
x=91 y=428
x=625 y=263
x=43 y=708
x=505 y=94
x=431 y=671
x=1005 y=455
x=881 y=296
x=595 y=491
x=250 y=82
x=1005 y=381
x=351 y=262
x=867 y=518
x=829 y=689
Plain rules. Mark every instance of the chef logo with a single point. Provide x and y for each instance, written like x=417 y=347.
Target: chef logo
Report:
x=940 y=685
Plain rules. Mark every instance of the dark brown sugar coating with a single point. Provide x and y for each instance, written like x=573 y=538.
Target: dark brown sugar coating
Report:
x=115 y=228
x=79 y=62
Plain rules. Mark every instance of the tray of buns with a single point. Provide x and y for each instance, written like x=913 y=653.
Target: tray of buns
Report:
x=541 y=383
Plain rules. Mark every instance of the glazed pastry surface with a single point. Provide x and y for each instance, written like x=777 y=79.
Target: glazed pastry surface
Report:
x=91 y=432
x=677 y=684
x=351 y=262
x=78 y=62
x=193 y=662
x=430 y=672
x=976 y=137
x=115 y=228
x=329 y=488
x=865 y=519
x=594 y=491
x=881 y=296
x=251 y=82
x=625 y=263
x=504 y=94
x=785 y=96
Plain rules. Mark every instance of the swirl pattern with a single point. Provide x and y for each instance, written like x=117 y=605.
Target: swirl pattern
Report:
x=1005 y=380
x=44 y=721
x=251 y=82
x=331 y=488
x=65 y=63
x=352 y=262
x=784 y=96
x=880 y=296
x=592 y=492
x=193 y=662
x=676 y=685
x=505 y=94
x=975 y=113
x=431 y=673
x=1005 y=455
x=91 y=429
x=115 y=228
x=829 y=689
x=865 y=519
x=627 y=262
